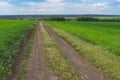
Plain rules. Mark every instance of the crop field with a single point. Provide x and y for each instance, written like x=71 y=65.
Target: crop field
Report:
x=98 y=42
x=12 y=33
x=106 y=34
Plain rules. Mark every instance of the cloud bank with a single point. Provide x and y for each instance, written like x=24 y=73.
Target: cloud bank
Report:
x=7 y=7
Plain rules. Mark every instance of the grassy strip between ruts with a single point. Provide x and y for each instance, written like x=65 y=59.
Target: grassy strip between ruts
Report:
x=100 y=57
x=60 y=64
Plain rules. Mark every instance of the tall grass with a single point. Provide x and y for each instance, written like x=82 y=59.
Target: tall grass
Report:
x=12 y=33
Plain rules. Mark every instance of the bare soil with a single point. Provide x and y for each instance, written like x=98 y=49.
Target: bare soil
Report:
x=38 y=69
x=85 y=68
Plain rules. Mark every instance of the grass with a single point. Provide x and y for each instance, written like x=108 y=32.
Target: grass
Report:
x=56 y=58
x=105 y=34
x=103 y=59
x=12 y=33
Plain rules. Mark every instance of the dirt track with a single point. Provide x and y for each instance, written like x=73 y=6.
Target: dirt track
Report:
x=38 y=69
x=87 y=70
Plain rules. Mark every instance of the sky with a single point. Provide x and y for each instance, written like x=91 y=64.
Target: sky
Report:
x=38 y=7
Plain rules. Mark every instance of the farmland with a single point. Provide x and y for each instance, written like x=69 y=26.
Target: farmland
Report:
x=66 y=50
x=105 y=34
x=12 y=33
x=87 y=38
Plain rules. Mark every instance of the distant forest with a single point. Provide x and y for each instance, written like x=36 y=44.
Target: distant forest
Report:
x=113 y=18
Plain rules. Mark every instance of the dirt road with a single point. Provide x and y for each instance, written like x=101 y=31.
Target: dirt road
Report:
x=38 y=69
x=86 y=69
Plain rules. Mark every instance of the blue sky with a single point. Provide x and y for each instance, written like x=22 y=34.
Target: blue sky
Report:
x=18 y=7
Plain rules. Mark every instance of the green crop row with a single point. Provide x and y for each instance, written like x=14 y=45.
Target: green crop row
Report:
x=12 y=34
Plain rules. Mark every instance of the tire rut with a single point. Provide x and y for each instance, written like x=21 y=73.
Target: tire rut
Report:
x=86 y=69
x=37 y=69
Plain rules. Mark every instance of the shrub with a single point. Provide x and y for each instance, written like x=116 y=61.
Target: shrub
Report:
x=87 y=19
x=57 y=19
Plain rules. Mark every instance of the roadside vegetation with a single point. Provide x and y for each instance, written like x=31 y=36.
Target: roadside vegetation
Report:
x=106 y=61
x=57 y=60
x=12 y=34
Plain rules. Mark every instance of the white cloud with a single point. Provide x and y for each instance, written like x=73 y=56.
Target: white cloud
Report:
x=100 y=6
x=118 y=0
x=5 y=4
x=55 y=1
x=49 y=6
x=6 y=8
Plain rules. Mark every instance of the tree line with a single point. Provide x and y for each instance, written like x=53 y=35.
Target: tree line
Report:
x=83 y=19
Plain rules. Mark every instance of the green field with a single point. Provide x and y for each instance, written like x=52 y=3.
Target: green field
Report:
x=106 y=34
x=98 y=42
x=12 y=33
